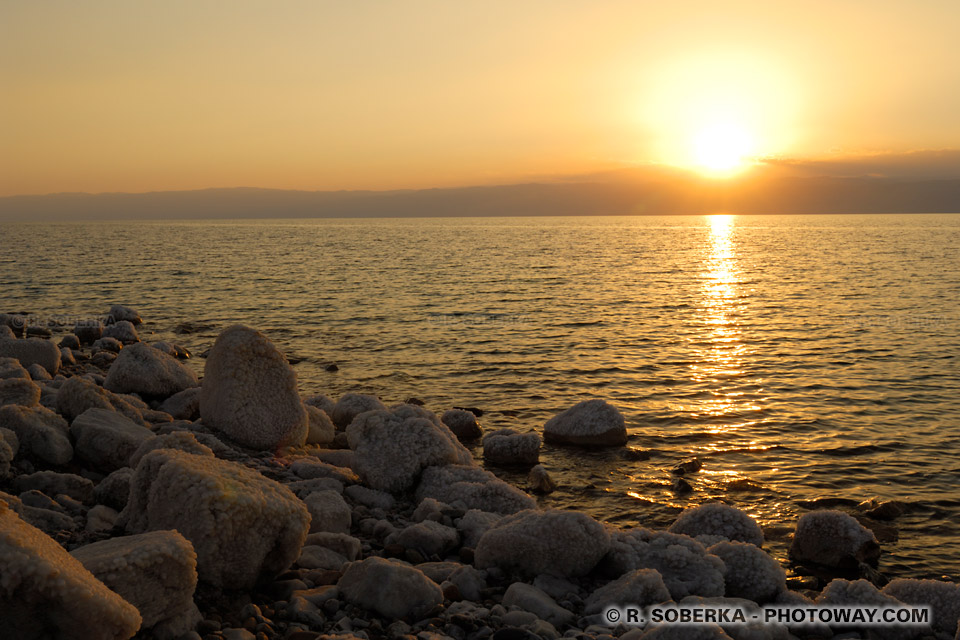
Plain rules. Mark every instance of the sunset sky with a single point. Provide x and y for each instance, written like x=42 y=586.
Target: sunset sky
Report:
x=138 y=96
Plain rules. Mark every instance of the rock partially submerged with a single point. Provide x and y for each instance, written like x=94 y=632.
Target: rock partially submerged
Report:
x=148 y=372
x=833 y=539
x=588 y=423
x=510 y=447
x=718 y=521
x=463 y=424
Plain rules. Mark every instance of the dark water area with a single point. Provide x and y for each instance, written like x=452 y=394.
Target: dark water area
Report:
x=799 y=357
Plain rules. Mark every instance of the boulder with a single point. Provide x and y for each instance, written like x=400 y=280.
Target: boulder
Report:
x=105 y=439
x=350 y=405
x=124 y=331
x=328 y=512
x=88 y=331
x=463 y=424
x=249 y=392
x=107 y=344
x=833 y=539
x=11 y=368
x=717 y=521
x=184 y=405
x=749 y=572
x=390 y=588
x=320 y=428
x=942 y=597
x=19 y=391
x=474 y=524
x=47 y=593
x=156 y=572
x=558 y=543
x=38 y=373
x=121 y=313
x=150 y=373
x=471 y=487
x=391 y=448
x=509 y=447
x=641 y=587
x=42 y=434
x=243 y=526
x=32 y=351
x=69 y=341
x=114 y=490
x=588 y=423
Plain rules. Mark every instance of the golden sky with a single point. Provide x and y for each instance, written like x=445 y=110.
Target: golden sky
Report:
x=139 y=96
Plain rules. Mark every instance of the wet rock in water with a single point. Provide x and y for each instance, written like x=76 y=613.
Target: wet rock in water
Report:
x=749 y=572
x=475 y=411
x=681 y=487
x=331 y=367
x=88 y=331
x=471 y=487
x=588 y=423
x=559 y=543
x=105 y=439
x=321 y=429
x=390 y=588
x=242 y=525
x=32 y=351
x=687 y=466
x=540 y=481
x=350 y=405
x=509 y=447
x=882 y=509
x=249 y=392
x=11 y=368
x=529 y=598
x=428 y=537
x=53 y=483
x=684 y=563
x=391 y=448
x=150 y=373
x=69 y=341
x=18 y=391
x=717 y=520
x=184 y=405
x=77 y=395
x=123 y=331
x=942 y=597
x=833 y=539
x=121 y=313
x=328 y=512
x=463 y=424
x=641 y=587
x=46 y=592
x=156 y=572
x=41 y=433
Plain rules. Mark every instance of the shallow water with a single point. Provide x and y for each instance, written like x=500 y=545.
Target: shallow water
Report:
x=813 y=356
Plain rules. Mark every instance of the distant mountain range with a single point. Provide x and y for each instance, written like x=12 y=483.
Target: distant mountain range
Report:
x=619 y=193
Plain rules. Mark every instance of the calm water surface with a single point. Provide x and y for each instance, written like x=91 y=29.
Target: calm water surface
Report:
x=798 y=357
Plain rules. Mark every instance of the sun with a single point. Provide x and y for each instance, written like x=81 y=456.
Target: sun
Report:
x=721 y=147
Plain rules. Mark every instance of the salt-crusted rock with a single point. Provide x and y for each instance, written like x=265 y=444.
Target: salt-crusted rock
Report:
x=203 y=436
x=243 y=526
x=684 y=563
x=32 y=351
x=320 y=429
x=428 y=537
x=588 y=423
x=179 y=440
x=345 y=545
x=11 y=368
x=69 y=341
x=156 y=572
x=49 y=520
x=119 y=312
x=529 y=598
x=858 y=592
x=754 y=628
x=370 y=497
x=38 y=373
x=430 y=509
x=309 y=468
x=560 y=543
x=113 y=490
x=506 y=446
x=108 y=344
x=53 y=483
x=719 y=521
x=10 y=437
x=46 y=593
x=328 y=512
x=391 y=448
x=833 y=539
x=100 y=518
x=67 y=358
x=78 y=394
x=303 y=488
x=749 y=572
x=539 y=480
x=123 y=331
x=143 y=370
x=19 y=391
x=184 y=405
x=6 y=332
x=439 y=571
x=249 y=392
x=942 y=597
x=390 y=588
x=471 y=487
x=322 y=402
x=640 y=587
x=42 y=433
x=350 y=405
x=463 y=424
x=88 y=331
x=105 y=439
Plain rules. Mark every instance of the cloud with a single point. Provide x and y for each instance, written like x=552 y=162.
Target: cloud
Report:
x=924 y=164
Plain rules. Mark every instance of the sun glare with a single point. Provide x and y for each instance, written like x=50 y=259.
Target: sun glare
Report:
x=721 y=148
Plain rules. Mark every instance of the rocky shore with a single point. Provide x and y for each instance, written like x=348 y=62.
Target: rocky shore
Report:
x=138 y=499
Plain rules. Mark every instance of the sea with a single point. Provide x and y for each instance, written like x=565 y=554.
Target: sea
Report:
x=804 y=360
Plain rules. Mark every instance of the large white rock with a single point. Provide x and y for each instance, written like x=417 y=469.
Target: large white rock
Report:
x=41 y=432
x=749 y=572
x=833 y=539
x=391 y=448
x=509 y=447
x=105 y=439
x=559 y=543
x=392 y=589
x=249 y=392
x=684 y=563
x=32 y=351
x=716 y=520
x=19 y=391
x=156 y=572
x=640 y=587
x=588 y=423
x=350 y=405
x=471 y=487
x=242 y=525
x=46 y=593
x=148 y=372
x=328 y=512
x=78 y=394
